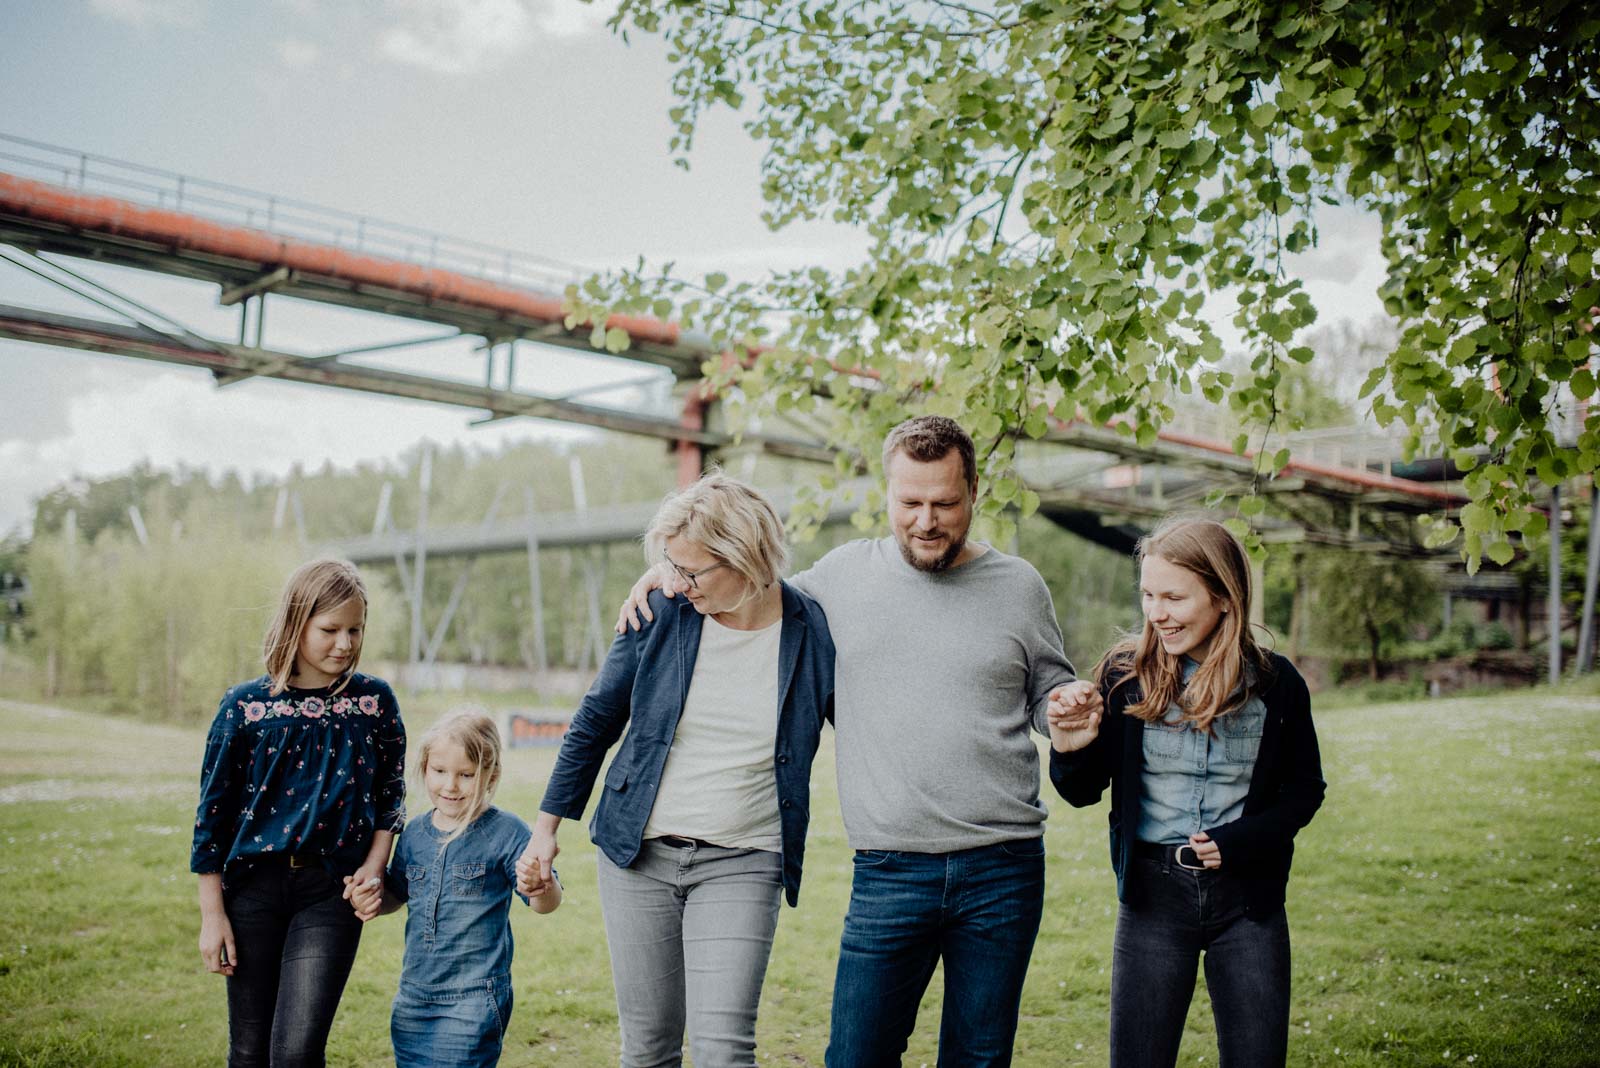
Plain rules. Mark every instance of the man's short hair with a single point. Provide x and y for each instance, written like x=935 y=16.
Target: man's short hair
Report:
x=929 y=438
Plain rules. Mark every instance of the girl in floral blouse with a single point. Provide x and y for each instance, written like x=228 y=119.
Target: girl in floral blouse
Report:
x=303 y=785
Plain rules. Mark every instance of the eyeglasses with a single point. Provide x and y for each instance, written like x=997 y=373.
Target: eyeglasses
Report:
x=691 y=577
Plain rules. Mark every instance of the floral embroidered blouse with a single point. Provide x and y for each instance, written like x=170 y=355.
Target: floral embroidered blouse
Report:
x=304 y=772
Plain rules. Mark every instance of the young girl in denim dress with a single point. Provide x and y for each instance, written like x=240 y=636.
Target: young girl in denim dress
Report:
x=302 y=790
x=455 y=870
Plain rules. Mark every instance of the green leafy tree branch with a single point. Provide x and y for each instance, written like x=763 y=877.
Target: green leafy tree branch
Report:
x=1054 y=190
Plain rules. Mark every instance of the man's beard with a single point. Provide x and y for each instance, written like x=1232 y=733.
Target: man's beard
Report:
x=939 y=563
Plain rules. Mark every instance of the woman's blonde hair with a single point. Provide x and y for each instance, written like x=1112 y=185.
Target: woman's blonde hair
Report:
x=1234 y=662
x=317 y=587
x=731 y=520
x=474 y=730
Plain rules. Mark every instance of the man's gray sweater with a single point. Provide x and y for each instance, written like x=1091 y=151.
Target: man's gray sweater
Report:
x=937 y=681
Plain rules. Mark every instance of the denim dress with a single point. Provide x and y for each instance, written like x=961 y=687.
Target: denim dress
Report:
x=454 y=1001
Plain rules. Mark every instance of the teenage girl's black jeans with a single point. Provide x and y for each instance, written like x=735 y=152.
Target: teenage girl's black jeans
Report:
x=1173 y=916
x=296 y=939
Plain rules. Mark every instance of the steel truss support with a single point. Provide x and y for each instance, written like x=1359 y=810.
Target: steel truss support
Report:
x=1591 y=578
x=541 y=658
x=1553 y=605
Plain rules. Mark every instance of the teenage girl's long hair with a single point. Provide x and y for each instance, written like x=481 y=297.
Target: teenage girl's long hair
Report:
x=475 y=732
x=314 y=588
x=1220 y=684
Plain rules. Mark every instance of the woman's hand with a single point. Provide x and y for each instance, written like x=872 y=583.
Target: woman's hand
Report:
x=1073 y=716
x=1206 y=851
x=537 y=860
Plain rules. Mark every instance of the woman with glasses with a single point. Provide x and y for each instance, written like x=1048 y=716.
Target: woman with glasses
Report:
x=1209 y=751
x=701 y=823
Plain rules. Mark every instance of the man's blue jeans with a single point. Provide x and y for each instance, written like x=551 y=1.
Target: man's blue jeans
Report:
x=978 y=910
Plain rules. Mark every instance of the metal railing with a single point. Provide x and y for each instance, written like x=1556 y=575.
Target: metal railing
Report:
x=283 y=216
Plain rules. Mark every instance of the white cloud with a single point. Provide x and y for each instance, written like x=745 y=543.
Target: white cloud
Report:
x=456 y=36
x=151 y=12
x=570 y=18
x=295 y=52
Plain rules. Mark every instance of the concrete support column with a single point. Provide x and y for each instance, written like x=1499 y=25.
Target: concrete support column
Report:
x=691 y=455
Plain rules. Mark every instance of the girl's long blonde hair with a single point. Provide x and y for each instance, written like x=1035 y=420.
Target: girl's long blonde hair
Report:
x=474 y=730
x=1234 y=663
x=317 y=587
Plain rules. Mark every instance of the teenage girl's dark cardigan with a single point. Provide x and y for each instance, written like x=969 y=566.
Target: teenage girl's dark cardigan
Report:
x=1286 y=787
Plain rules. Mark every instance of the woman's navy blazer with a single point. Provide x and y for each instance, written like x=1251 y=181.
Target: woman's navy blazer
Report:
x=1286 y=787
x=645 y=681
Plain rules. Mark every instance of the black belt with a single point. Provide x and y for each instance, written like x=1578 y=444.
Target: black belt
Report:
x=679 y=842
x=292 y=860
x=1169 y=855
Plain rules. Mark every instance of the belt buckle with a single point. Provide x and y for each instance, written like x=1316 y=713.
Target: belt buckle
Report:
x=295 y=861
x=1177 y=856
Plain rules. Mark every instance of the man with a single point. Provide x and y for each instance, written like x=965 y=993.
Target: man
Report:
x=948 y=652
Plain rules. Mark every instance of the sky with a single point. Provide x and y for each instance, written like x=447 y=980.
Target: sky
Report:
x=522 y=123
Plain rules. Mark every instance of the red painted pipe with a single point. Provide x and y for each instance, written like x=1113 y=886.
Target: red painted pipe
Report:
x=51 y=204
x=1353 y=475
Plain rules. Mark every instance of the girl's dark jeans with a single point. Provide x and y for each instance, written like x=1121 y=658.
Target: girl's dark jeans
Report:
x=296 y=938
x=1173 y=916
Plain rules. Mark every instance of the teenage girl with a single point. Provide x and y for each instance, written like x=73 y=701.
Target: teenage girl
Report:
x=303 y=784
x=455 y=869
x=1208 y=747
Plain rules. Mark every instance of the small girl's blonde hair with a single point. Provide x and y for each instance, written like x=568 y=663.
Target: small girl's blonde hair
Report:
x=474 y=730
x=731 y=520
x=314 y=588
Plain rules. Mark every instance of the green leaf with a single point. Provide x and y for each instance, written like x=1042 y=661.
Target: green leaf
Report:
x=1236 y=526
x=716 y=280
x=1501 y=552
x=616 y=340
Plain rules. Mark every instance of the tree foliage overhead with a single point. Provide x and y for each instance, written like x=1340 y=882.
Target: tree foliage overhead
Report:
x=1055 y=189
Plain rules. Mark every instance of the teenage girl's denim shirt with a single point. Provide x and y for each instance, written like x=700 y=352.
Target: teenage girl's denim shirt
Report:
x=458 y=900
x=1193 y=779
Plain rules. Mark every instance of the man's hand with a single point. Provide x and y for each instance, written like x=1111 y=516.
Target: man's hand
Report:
x=1073 y=715
x=661 y=577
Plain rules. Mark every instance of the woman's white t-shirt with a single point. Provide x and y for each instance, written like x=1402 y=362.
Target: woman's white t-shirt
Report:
x=718 y=784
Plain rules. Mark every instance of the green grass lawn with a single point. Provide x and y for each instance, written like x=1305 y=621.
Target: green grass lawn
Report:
x=1443 y=906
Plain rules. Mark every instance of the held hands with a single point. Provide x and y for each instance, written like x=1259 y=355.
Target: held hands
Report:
x=1205 y=850
x=660 y=577
x=534 y=866
x=364 y=895
x=1073 y=715
x=216 y=944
